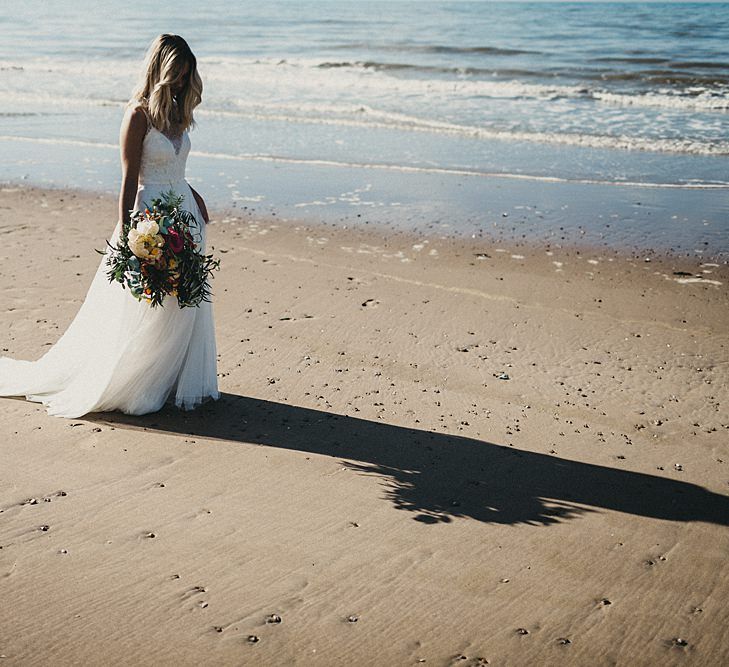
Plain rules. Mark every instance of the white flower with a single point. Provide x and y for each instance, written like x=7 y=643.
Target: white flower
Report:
x=148 y=227
x=145 y=246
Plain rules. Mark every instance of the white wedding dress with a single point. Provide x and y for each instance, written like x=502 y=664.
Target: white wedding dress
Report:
x=119 y=353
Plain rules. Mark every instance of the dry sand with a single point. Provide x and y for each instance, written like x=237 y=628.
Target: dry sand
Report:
x=370 y=477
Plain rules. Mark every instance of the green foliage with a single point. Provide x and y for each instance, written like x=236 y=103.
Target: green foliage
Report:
x=153 y=280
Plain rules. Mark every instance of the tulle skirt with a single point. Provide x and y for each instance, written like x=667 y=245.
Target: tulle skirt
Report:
x=120 y=354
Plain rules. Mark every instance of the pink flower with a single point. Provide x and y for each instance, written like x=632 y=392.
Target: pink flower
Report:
x=175 y=241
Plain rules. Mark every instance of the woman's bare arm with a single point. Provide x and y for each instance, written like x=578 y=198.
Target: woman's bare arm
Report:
x=200 y=204
x=131 y=136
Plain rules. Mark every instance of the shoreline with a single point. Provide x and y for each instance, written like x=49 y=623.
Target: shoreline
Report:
x=418 y=455
x=665 y=218
x=698 y=266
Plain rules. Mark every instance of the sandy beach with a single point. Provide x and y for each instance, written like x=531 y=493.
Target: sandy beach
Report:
x=427 y=451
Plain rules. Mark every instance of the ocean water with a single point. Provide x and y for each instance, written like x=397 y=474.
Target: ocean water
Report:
x=594 y=122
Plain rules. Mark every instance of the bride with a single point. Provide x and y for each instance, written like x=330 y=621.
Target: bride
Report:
x=120 y=353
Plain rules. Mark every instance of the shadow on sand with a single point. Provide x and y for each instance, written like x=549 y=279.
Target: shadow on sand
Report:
x=438 y=476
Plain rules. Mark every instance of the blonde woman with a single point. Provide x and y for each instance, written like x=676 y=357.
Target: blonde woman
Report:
x=119 y=353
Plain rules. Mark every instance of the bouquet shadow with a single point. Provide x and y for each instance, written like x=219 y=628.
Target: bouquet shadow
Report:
x=437 y=476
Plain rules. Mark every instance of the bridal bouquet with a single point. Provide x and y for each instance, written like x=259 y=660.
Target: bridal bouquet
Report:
x=156 y=255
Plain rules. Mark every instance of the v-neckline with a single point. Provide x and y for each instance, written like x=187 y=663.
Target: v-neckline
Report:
x=182 y=136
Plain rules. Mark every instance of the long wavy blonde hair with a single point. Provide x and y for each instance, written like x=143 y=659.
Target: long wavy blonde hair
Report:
x=164 y=73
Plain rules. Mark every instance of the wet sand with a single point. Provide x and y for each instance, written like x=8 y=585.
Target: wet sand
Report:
x=655 y=217
x=428 y=451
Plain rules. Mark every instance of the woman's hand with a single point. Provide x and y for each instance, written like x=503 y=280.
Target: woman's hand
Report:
x=200 y=204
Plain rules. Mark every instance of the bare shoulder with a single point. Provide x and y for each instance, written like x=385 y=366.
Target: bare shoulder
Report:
x=131 y=135
x=135 y=120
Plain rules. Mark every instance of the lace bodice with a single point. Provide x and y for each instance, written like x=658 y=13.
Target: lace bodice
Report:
x=162 y=161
